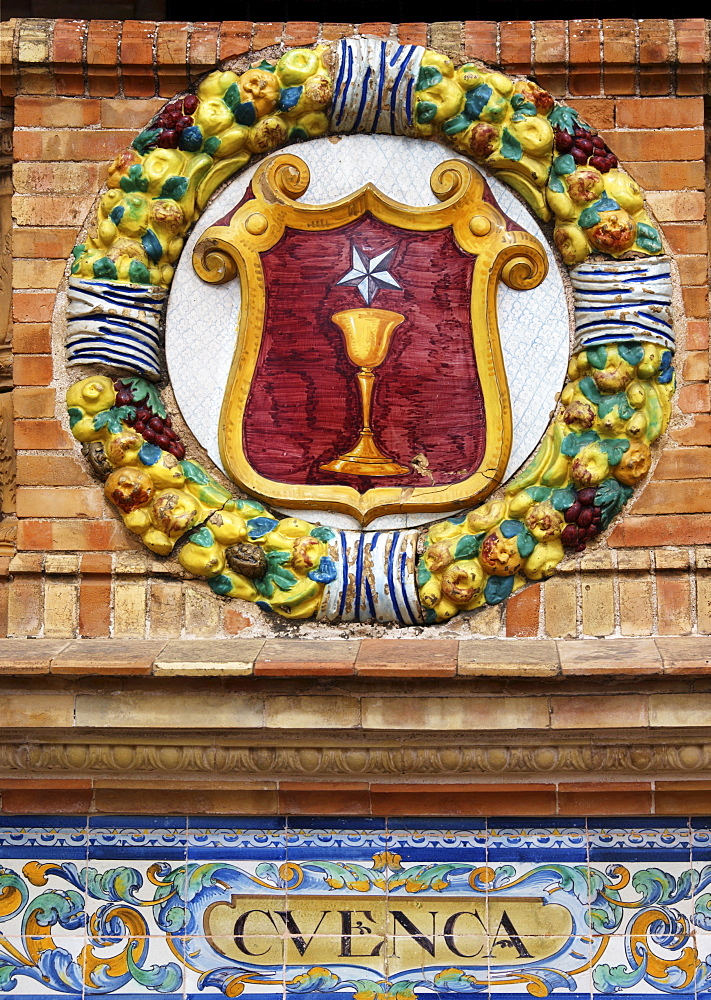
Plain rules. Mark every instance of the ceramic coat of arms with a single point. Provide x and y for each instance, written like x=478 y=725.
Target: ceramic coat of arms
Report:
x=370 y=333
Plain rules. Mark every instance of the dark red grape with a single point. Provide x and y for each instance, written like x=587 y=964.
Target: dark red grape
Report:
x=139 y=426
x=585 y=144
x=168 y=139
x=183 y=122
x=585 y=517
x=612 y=160
x=156 y=424
x=600 y=163
x=149 y=435
x=570 y=535
x=580 y=157
x=190 y=104
x=163 y=442
x=143 y=413
x=563 y=142
x=597 y=142
x=573 y=512
x=123 y=398
x=168 y=421
x=587 y=496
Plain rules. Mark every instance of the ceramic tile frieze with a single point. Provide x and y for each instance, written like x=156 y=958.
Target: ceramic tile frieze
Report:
x=370 y=908
x=359 y=298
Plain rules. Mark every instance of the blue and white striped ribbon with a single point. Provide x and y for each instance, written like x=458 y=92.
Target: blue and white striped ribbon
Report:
x=115 y=324
x=375 y=86
x=623 y=300
x=375 y=578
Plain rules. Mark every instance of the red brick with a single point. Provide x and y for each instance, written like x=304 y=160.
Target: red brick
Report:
x=686 y=238
x=667 y=176
x=42 y=435
x=102 y=57
x=32 y=369
x=584 y=57
x=696 y=367
x=654 y=57
x=47 y=177
x=32 y=307
x=55 y=112
x=609 y=800
x=234 y=38
x=95 y=606
x=448 y=801
x=414 y=33
x=65 y=470
x=281 y=657
x=684 y=463
x=136 y=54
x=691 y=496
x=428 y=657
x=698 y=431
x=31 y=338
x=692 y=55
x=693 y=270
x=697 y=334
x=76 y=801
x=332 y=32
x=266 y=33
x=33 y=401
x=619 y=56
x=129 y=112
x=677 y=206
x=60 y=144
x=172 y=57
x=67 y=45
x=522 y=612
x=480 y=39
x=660 y=112
x=656 y=144
x=107 y=656
x=696 y=303
x=75 y=536
x=56 y=210
x=39 y=242
x=203 y=47
x=596 y=111
x=59 y=501
x=381 y=29
x=694 y=399
x=669 y=529
x=550 y=64
x=673 y=603
x=298 y=33
x=328 y=802
x=516 y=47
x=37 y=273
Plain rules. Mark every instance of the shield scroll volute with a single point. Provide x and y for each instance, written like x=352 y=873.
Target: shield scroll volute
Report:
x=368 y=375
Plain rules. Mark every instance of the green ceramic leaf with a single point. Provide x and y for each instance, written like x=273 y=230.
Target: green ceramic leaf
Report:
x=564 y=164
x=423 y=574
x=211 y=145
x=113 y=418
x=428 y=77
x=284 y=579
x=597 y=356
x=175 y=187
x=509 y=528
x=631 y=352
x=138 y=273
x=498 y=588
x=194 y=472
x=151 y=244
x=589 y=389
x=220 y=585
x=457 y=124
x=614 y=448
x=425 y=112
x=511 y=148
x=105 y=268
x=322 y=533
x=145 y=140
x=75 y=415
x=539 y=493
x=203 y=537
x=565 y=118
x=525 y=543
x=572 y=443
x=232 y=97
x=142 y=390
x=562 y=499
x=648 y=238
x=589 y=217
x=468 y=546
x=556 y=184
x=477 y=100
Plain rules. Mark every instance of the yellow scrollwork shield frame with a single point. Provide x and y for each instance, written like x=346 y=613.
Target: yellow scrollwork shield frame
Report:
x=479 y=228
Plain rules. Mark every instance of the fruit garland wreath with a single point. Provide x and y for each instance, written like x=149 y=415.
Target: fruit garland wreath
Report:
x=597 y=449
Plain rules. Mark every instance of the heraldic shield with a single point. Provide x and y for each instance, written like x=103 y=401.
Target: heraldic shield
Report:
x=368 y=375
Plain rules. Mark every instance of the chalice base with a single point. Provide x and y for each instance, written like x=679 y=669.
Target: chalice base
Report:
x=366 y=459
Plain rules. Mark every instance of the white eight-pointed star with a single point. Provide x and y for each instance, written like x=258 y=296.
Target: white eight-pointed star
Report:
x=370 y=274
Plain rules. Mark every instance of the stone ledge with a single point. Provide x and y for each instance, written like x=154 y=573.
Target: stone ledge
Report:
x=417 y=658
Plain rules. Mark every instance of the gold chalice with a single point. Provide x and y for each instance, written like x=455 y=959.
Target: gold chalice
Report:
x=367 y=333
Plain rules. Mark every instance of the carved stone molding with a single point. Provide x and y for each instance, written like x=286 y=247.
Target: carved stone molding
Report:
x=240 y=762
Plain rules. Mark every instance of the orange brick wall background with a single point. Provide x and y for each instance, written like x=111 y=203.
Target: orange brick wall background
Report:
x=77 y=92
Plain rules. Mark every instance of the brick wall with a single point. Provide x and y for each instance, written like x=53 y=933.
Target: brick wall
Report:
x=80 y=90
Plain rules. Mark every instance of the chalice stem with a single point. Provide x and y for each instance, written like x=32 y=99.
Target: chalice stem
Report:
x=366 y=381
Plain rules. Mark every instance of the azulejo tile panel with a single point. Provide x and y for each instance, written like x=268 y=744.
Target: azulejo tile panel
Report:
x=270 y=907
